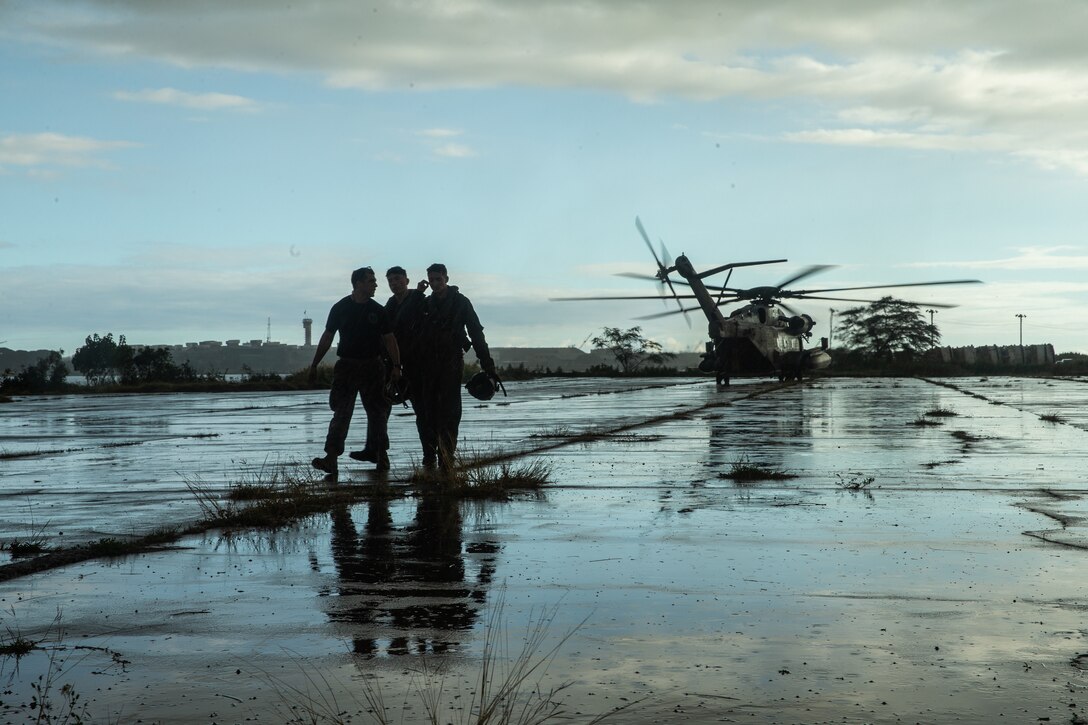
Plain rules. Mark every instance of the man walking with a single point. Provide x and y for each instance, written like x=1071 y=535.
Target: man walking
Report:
x=404 y=310
x=451 y=326
x=359 y=371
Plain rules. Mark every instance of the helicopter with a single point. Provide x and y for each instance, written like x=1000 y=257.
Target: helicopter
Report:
x=764 y=337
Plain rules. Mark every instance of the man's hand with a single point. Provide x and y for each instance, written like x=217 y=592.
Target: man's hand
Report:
x=488 y=366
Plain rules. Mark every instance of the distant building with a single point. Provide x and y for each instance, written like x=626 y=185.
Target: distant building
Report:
x=568 y=359
x=1000 y=355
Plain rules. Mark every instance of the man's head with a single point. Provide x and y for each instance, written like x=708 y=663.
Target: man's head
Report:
x=437 y=277
x=363 y=282
x=398 y=280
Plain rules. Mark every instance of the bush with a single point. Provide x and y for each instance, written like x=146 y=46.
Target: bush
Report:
x=45 y=376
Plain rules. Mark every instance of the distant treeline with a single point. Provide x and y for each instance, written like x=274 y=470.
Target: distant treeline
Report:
x=114 y=366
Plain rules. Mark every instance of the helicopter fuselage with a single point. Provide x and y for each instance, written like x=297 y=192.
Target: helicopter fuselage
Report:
x=756 y=339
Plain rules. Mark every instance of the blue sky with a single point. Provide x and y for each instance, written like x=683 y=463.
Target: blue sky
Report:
x=186 y=171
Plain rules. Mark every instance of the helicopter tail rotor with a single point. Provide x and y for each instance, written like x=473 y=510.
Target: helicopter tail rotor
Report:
x=664 y=266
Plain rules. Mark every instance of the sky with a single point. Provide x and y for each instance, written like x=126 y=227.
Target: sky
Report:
x=207 y=170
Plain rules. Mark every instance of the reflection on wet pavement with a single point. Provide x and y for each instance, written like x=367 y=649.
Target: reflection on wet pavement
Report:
x=406 y=589
x=906 y=572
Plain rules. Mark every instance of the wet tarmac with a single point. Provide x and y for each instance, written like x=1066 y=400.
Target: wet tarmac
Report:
x=906 y=573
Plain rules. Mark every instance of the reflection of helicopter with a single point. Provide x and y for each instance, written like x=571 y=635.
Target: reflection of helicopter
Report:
x=764 y=337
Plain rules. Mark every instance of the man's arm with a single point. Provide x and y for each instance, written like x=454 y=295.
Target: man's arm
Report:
x=391 y=347
x=323 y=346
x=476 y=337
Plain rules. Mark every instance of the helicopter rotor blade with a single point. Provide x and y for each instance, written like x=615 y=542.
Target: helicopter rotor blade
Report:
x=623 y=297
x=941 y=305
x=649 y=244
x=644 y=277
x=885 y=286
x=657 y=315
x=806 y=272
x=723 y=267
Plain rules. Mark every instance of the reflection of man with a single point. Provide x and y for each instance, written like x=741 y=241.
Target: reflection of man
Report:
x=359 y=371
x=451 y=328
x=405 y=312
x=407 y=586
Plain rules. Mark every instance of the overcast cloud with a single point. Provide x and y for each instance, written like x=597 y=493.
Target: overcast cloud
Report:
x=259 y=211
x=889 y=74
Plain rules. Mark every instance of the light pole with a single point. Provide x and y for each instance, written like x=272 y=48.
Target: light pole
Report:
x=1021 y=336
x=831 y=328
x=931 y=313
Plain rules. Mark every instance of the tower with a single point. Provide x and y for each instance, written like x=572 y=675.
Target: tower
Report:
x=307 y=325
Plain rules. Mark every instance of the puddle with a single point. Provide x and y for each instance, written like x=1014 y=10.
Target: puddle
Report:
x=950 y=586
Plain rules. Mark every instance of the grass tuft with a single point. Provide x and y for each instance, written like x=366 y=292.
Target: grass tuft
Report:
x=17 y=646
x=941 y=413
x=20 y=548
x=276 y=495
x=742 y=471
x=1052 y=418
x=495 y=481
x=922 y=421
x=855 y=482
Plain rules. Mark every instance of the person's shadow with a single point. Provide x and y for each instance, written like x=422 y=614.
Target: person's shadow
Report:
x=411 y=588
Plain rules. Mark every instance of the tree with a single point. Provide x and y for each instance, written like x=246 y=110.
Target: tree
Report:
x=47 y=374
x=101 y=359
x=630 y=348
x=886 y=328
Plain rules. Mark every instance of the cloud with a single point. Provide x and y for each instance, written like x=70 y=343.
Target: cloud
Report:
x=198 y=101
x=990 y=77
x=454 y=151
x=440 y=133
x=1028 y=258
x=56 y=150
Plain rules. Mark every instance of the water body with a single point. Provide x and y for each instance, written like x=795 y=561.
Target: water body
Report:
x=915 y=573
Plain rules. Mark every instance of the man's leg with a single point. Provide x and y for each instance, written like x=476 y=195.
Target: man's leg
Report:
x=372 y=388
x=372 y=393
x=342 y=402
x=424 y=402
x=448 y=414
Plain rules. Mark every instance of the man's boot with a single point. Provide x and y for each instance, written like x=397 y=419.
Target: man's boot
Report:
x=382 y=462
x=326 y=464
x=366 y=455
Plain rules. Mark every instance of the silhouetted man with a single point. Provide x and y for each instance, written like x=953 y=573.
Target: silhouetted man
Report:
x=451 y=326
x=405 y=309
x=364 y=330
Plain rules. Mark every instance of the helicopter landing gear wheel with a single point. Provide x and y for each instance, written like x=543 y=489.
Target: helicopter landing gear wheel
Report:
x=724 y=365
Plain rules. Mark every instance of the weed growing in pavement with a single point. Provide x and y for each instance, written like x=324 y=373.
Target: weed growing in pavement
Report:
x=559 y=431
x=19 y=548
x=855 y=482
x=1052 y=418
x=922 y=421
x=14 y=644
x=939 y=412
x=742 y=471
x=965 y=437
x=275 y=495
x=33 y=544
x=54 y=701
x=467 y=479
x=508 y=687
